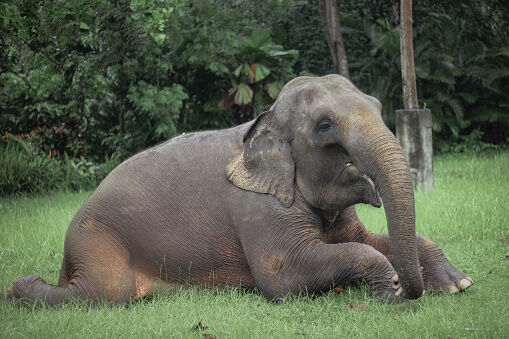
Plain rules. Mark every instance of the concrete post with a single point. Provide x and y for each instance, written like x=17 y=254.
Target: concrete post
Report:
x=413 y=130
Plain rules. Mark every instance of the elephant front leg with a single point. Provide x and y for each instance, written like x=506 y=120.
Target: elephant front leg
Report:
x=438 y=273
x=321 y=266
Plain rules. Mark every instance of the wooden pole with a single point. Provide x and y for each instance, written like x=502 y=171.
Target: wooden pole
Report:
x=407 y=57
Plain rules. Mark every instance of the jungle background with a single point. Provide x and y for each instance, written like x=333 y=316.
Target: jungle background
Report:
x=86 y=84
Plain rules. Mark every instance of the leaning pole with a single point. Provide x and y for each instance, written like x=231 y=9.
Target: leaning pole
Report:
x=413 y=125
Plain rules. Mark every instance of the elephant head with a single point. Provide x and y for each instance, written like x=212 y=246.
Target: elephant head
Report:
x=326 y=139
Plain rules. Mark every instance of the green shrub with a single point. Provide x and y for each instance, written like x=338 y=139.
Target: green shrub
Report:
x=25 y=169
x=472 y=143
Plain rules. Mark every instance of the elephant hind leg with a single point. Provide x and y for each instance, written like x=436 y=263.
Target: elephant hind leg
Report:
x=92 y=287
x=95 y=270
x=32 y=288
x=438 y=273
x=147 y=285
x=96 y=288
x=98 y=265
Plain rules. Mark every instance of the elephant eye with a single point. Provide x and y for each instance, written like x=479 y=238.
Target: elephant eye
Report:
x=324 y=126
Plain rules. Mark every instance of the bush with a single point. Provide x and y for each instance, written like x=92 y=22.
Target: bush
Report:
x=28 y=170
x=473 y=144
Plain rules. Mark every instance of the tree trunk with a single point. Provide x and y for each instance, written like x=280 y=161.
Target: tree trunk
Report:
x=413 y=125
x=407 y=57
x=330 y=19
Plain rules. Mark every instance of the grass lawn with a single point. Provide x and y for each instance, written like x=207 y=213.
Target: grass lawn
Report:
x=467 y=215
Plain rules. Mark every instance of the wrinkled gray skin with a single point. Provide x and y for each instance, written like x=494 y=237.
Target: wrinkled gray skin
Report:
x=268 y=204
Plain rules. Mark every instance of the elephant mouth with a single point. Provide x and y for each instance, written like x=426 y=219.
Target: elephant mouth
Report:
x=375 y=199
x=372 y=197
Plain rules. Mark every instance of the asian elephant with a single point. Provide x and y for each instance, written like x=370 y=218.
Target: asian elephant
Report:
x=267 y=204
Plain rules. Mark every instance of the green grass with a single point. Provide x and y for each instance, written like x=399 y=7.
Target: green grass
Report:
x=467 y=215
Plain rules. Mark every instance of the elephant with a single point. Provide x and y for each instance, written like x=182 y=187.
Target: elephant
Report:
x=269 y=204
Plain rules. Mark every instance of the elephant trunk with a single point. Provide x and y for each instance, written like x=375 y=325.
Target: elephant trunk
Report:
x=376 y=152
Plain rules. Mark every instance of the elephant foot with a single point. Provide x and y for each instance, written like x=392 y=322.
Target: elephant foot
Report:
x=22 y=290
x=445 y=278
x=388 y=291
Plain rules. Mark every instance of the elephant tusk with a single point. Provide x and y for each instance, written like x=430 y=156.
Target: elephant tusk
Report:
x=398 y=292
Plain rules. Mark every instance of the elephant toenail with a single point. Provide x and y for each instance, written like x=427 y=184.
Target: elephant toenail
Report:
x=395 y=279
x=465 y=283
x=451 y=289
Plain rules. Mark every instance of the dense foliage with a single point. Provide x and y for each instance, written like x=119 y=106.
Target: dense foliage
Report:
x=120 y=76
x=461 y=59
x=95 y=79
x=26 y=170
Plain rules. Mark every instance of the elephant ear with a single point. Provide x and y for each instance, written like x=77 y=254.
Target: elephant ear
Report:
x=266 y=164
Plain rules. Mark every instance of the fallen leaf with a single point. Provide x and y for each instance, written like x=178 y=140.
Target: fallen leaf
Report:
x=209 y=336
x=504 y=240
x=199 y=327
x=338 y=289
x=360 y=308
